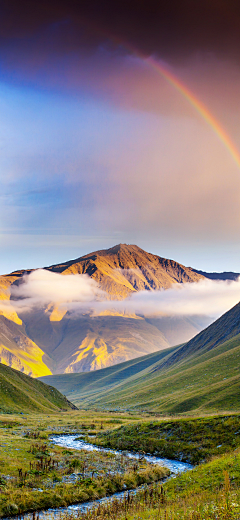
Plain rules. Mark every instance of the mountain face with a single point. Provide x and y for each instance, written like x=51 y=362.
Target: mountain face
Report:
x=201 y=376
x=123 y=270
x=46 y=341
x=18 y=351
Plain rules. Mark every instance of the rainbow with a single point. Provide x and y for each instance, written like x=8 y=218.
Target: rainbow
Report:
x=184 y=91
x=198 y=105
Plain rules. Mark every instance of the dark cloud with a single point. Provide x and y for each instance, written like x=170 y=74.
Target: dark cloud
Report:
x=171 y=29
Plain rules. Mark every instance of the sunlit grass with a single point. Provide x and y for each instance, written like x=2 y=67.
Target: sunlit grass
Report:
x=35 y=474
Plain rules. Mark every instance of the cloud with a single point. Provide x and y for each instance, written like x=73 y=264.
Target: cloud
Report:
x=206 y=297
x=41 y=287
x=79 y=293
x=170 y=28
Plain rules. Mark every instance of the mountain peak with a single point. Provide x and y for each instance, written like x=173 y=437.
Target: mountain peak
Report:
x=118 y=248
x=122 y=247
x=126 y=268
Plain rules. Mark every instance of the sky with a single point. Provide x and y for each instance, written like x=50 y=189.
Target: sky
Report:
x=97 y=147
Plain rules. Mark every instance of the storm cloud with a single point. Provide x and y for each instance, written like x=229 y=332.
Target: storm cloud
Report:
x=169 y=29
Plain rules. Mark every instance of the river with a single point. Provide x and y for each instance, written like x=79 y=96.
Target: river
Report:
x=71 y=442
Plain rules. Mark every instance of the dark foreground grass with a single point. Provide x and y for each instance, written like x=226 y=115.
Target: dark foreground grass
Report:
x=188 y=440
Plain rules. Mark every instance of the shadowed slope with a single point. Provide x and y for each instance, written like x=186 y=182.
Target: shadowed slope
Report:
x=21 y=393
x=86 y=383
x=226 y=275
x=226 y=327
x=202 y=375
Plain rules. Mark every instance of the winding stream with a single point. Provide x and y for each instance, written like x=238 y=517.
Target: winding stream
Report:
x=69 y=441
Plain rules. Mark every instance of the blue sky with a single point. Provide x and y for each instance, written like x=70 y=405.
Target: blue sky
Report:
x=97 y=149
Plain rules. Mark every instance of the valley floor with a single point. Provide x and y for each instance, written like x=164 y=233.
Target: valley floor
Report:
x=36 y=475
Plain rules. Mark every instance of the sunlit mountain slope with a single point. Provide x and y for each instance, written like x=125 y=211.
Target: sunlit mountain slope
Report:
x=124 y=269
x=18 y=351
x=48 y=339
x=89 y=343
x=5 y=294
x=202 y=375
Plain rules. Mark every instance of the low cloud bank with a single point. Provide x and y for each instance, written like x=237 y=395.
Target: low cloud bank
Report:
x=79 y=293
x=207 y=297
x=41 y=287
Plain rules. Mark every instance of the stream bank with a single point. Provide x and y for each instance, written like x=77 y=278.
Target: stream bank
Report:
x=71 y=442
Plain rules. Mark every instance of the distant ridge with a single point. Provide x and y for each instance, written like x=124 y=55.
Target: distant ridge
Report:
x=221 y=330
x=226 y=275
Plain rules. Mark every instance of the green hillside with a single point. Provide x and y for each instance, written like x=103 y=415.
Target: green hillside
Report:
x=223 y=329
x=21 y=393
x=80 y=386
x=201 y=376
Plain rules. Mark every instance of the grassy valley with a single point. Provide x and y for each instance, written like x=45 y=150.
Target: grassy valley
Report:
x=208 y=492
x=36 y=474
x=209 y=384
x=85 y=384
x=21 y=393
x=188 y=440
x=198 y=377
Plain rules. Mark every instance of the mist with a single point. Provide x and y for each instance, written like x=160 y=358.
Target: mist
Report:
x=80 y=294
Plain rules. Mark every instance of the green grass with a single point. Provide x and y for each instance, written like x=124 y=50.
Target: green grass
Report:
x=207 y=382
x=201 y=376
x=21 y=393
x=84 y=384
x=189 y=440
x=34 y=474
x=208 y=492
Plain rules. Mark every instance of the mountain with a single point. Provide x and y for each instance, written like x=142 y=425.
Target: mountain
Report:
x=226 y=275
x=21 y=393
x=88 y=343
x=47 y=340
x=201 y=376
x=219 y=332
x=125 y=269
x=19 y=351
